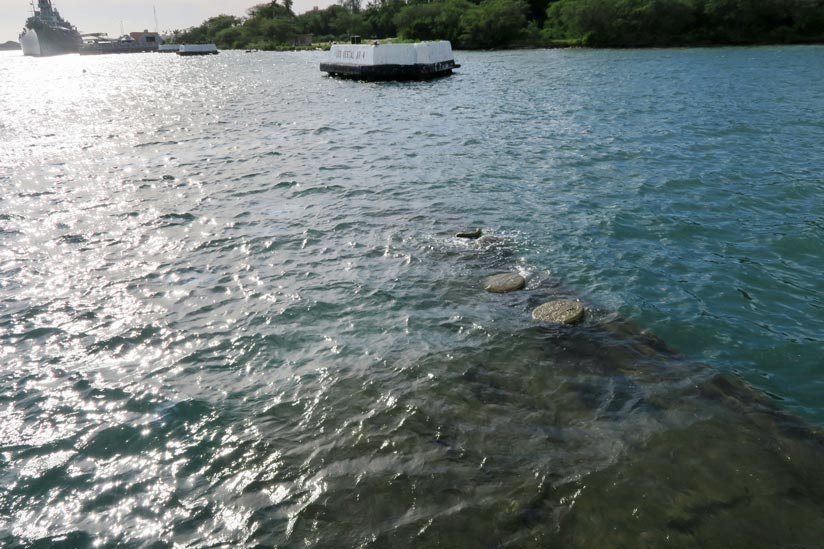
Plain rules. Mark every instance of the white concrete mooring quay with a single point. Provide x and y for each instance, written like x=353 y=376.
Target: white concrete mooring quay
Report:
x=376 y=61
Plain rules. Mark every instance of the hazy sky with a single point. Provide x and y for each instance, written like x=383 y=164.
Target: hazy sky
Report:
x=105 y=16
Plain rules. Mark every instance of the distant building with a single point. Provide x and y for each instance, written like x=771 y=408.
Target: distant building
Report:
x=303 y=40
x=147 y=37
x=134 y=42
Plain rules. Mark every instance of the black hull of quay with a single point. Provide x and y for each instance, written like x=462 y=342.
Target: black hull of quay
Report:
x=389 y=72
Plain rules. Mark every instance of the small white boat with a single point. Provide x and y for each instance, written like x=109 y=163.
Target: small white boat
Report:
x=197 y=49
x=390 y=61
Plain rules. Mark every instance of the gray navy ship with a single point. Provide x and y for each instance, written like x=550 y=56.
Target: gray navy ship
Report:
x=47 y=33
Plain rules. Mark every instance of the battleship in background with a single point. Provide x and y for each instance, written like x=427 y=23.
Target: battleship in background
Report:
x=47 y=33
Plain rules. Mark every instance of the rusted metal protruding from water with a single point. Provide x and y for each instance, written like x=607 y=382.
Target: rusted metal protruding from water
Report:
x=504 y=282
x=475 y=233
x=561 y=311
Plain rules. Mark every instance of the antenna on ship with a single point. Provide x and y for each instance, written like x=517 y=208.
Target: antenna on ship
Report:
x=157 y=26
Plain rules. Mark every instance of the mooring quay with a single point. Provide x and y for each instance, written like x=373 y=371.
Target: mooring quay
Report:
x=390 y=61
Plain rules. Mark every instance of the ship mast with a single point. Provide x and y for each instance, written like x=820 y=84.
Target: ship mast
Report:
x=44 y=6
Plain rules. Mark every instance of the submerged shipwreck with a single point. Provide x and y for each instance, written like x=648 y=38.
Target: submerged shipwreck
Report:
x=639 y=445
x=377 y=61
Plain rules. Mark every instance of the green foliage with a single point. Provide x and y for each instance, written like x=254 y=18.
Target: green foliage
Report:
x=685 y=22
x=493 y=23
x=335 y=23
x=232 y=37
x=435 y=21
x=503 y=23
x=209 y=29
x=619 y=22
x=380 y=17
x=268 y=26
x=272 y=10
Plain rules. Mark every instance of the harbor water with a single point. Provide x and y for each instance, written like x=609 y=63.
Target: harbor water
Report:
x=234 y=312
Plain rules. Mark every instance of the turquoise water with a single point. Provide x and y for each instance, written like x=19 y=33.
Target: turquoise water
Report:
x=233 y=312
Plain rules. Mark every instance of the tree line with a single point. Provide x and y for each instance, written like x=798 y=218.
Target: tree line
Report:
x=481 y=24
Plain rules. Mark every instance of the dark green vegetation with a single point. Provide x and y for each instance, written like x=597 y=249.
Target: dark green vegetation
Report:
x=686 y=22
x=512 y=23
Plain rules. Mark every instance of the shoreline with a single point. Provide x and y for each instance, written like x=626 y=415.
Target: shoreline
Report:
x=560 y=46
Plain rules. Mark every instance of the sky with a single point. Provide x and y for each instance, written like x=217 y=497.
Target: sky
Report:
x=136 y=15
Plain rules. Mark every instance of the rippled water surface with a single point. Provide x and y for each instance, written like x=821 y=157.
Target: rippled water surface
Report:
x=233 y=312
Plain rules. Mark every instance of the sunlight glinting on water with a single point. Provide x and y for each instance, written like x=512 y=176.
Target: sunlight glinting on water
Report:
x=233 y=310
